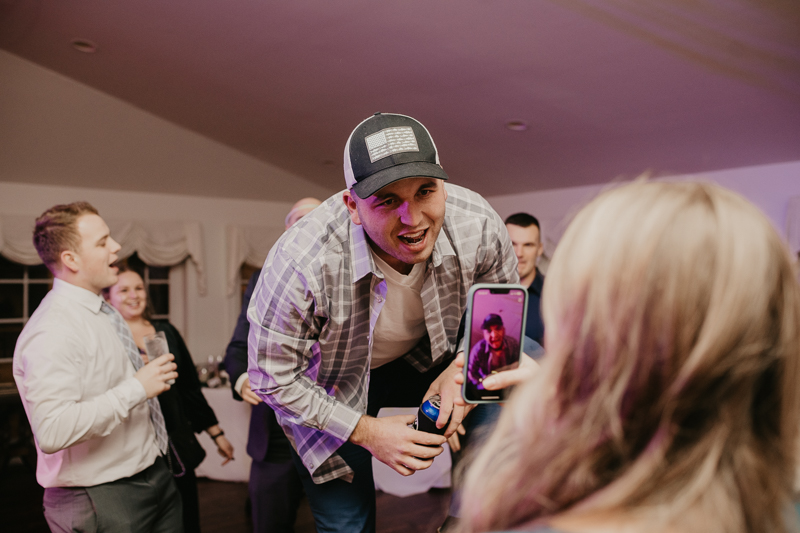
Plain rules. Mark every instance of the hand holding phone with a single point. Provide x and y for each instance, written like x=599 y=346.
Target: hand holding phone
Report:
x=495 y=324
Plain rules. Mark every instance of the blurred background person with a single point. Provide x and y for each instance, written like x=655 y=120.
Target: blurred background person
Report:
x=526 y=236
x=275 y=488
x=185 y=409
x=668 y=400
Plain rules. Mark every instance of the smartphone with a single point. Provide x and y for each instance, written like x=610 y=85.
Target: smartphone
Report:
x=493 y=334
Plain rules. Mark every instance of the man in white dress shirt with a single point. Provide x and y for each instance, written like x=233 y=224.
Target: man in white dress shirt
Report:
x=99 y=446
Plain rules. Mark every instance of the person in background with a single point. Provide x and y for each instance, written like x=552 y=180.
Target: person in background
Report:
x=89 y=397
x=668 y=400
x=185 y=409
x=274 y=486
x=526 y=236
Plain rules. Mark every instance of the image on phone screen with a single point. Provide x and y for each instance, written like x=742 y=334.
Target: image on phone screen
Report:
x=496 y=325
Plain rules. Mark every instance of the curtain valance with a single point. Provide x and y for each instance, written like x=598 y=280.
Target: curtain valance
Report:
x=158 y=243
x=248 y=245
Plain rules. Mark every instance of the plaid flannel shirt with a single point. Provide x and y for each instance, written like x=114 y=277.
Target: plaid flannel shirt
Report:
x=316 y=304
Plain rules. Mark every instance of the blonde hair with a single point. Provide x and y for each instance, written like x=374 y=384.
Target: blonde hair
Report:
x=669 y=390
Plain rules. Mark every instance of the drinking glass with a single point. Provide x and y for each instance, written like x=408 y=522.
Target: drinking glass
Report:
x=156 y=345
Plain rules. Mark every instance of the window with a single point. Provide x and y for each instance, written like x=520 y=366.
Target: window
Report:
x=156 y=283
x=22 y=289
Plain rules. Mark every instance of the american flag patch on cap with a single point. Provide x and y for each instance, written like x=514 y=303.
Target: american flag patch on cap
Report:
x=391 y=141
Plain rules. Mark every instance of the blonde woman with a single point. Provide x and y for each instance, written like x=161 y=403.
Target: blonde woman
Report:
x=668 y=401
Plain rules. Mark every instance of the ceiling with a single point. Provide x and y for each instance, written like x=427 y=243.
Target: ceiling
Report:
x=607 y=88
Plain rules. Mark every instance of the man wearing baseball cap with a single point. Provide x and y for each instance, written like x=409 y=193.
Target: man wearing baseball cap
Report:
x=358 y=307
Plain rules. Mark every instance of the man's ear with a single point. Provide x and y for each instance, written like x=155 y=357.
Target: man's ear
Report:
x=70 y=261
x=350 y=203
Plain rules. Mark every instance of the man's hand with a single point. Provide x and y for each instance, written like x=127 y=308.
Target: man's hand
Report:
x=224 y=448
x=527 y=368
x=154 y=375
x=454 y=441
x=392 y=442
x=449 y=392
x=248 y=395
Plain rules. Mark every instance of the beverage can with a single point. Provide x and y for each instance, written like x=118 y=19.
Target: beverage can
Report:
x=428 y=414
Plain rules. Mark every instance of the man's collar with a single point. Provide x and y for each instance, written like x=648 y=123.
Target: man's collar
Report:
x=85 y=297
x=361 y=257
x=442 y=248
x=361 y=262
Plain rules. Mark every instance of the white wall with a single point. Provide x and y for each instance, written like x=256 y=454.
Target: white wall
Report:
x=62 y=141
x=210 y=318
x=57 y=131
x=767 y=186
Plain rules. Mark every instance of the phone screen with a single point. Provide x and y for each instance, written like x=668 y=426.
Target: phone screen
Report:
x=496 y=322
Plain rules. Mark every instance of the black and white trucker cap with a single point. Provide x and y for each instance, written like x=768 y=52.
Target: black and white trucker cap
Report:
x=385 y=148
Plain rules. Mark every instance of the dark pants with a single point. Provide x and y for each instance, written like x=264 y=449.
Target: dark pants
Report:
x=147 y=502
x=339 y=506
x=275 y=493
x=187 y=488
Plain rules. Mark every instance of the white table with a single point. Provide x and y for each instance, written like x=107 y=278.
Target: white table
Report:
x=436 y=476
x=234 y=419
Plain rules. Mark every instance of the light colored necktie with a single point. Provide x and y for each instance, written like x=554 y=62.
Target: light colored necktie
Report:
x=124 y=332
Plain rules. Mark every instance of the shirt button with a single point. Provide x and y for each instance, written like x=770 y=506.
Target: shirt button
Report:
x=379 y=299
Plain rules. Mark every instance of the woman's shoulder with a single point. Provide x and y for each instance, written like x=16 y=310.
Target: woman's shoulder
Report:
x=174 y=338
x=162 y=324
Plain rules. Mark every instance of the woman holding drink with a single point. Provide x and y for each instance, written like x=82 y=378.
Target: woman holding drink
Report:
x=184 y=407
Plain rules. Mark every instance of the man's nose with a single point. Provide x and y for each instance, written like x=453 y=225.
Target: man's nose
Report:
x=410 y=214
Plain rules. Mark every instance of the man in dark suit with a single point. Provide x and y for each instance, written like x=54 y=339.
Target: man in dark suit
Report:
x=526 y=236
x=275 y=487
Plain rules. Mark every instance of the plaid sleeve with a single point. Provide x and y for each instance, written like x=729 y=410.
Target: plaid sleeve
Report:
x=499 y=263
x=284 y=354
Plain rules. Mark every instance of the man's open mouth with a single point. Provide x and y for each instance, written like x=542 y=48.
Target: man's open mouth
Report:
x=413 y=238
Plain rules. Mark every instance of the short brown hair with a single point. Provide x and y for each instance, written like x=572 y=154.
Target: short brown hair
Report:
x=55 y=231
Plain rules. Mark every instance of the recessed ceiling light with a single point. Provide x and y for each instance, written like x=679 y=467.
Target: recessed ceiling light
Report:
x=82 y=45
x=517 y=125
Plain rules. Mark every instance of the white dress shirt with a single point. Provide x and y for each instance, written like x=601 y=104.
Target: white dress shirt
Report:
x=88 y=413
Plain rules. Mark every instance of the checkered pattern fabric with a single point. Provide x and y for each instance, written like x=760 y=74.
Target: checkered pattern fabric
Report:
x=316 y=303
x=125 y=335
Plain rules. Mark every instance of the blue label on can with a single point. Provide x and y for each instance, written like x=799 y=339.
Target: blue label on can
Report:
x=430 y=408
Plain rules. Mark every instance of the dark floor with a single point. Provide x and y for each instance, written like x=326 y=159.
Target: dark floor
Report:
x=222 y=507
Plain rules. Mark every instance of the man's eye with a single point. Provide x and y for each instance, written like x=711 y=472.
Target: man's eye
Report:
x=425 y=192
x=387 y=203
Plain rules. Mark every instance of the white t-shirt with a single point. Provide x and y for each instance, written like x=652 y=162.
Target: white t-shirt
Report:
x=401 y=320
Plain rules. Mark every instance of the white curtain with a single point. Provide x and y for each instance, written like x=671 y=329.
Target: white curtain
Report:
x=793 y=224
x=158 y=243
x=250 y=245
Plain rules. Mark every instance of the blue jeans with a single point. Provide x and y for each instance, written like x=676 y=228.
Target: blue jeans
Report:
x=339 y=506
